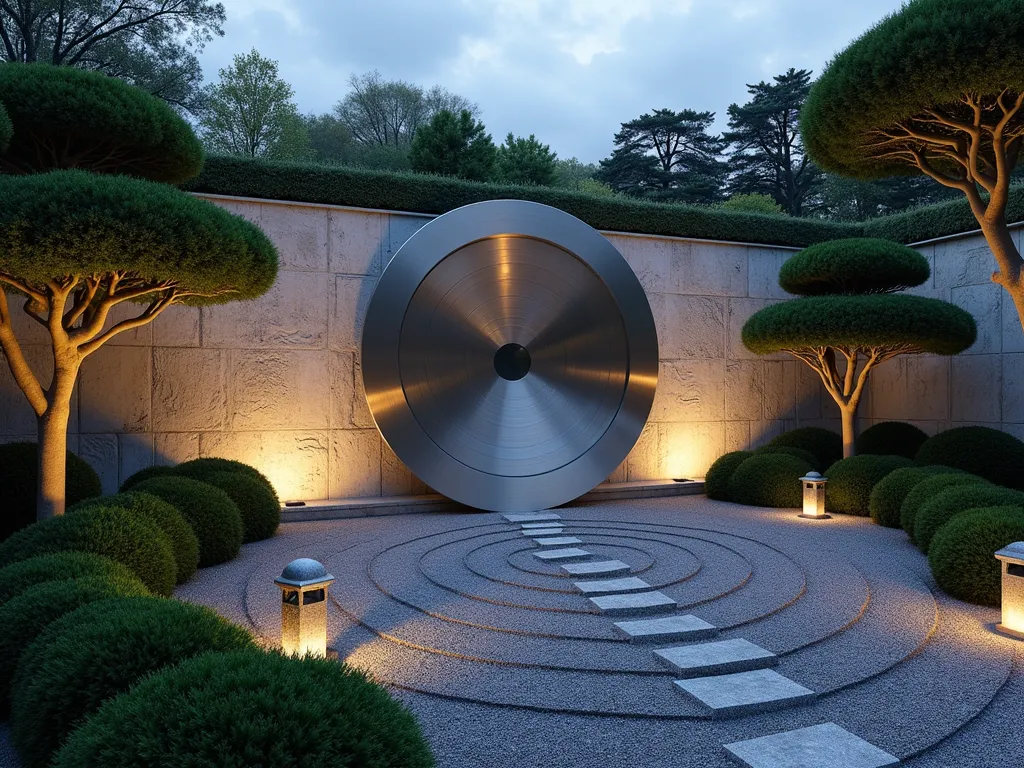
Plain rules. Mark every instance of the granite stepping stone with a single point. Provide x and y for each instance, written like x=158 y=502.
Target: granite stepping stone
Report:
x=603 y=567
x=531 y=517
x=554 y=555
x=558 y=541
x=717 y=658
x=667 y=628
x=542 y=532
x=820 y=746
x=744 y=693
x=611 y=586
x=531 y=526
x=637 y=604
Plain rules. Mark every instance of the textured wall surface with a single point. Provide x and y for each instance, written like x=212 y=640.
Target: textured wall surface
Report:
x=276 y=382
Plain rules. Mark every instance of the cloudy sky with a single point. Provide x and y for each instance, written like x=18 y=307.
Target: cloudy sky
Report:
x=569 y=71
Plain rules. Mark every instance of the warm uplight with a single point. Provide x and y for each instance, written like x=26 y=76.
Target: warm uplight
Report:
x=814 y=496
x=1012 y=559
x=304 y=584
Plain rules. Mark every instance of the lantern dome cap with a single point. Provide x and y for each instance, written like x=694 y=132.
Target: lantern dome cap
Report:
x=304 y=571
x=813 y=476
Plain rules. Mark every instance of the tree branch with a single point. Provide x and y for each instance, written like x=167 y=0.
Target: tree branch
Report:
x=151 y=313
x=20 y=369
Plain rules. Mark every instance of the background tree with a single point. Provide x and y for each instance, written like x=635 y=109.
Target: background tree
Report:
x=526 y=161
x=667 y=155
x=149 y=43
x=752 y=203
x=851 y=320
x=846 y=199
x=330 y=140
x=767 y=154
x=79 y=246
x=935 y=89
x=250 y=112
x=454 y=145
x=579 y=177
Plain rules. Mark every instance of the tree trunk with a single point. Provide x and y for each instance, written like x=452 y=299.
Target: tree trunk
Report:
x=1000 y=241
x=53 y=447
x=849 y=412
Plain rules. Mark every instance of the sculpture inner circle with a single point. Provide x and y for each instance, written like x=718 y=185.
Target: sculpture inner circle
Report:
x=509 y=356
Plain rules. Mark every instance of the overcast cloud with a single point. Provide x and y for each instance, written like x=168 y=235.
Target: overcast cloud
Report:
x=569 y=71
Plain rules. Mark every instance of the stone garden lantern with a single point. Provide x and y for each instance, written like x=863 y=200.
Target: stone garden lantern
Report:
x=814 y=496
x=304 y=583
x=1012 y=559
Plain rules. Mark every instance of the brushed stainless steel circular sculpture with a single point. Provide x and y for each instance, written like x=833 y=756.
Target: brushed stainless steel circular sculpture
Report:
x=509 y=356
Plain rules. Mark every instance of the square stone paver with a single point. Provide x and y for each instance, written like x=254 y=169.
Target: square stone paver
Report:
x=558 y=541
x=717 y=658
x=554 y=555
x=610 y=586
x=640 y=603
x=546 y=524
x=744 y=693
x=531 y=517
x=542 y=532
x=667 y=628
x=603 y=567
x=820 y=746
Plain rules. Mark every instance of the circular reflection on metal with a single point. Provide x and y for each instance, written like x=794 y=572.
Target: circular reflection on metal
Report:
x=509 y=356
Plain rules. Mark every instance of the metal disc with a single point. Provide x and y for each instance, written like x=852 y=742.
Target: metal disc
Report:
x=509 y=356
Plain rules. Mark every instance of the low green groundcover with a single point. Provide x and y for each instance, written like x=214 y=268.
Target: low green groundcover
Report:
x=961 y=552
x=928 y=488
x=716 y=481
x=888 y=494
x=769 y=480
x=891 y=438
x=850 y=481
x=59 y=566
x=944 y=506
x=823 y=443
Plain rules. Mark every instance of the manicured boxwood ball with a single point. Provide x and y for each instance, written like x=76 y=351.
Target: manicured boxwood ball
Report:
x=800 y=453
x=200 y=469
x=19 y=478
x=168 y=519
x=253 y=709
x=257 y=503
x=961 y=552
x=823 y=443
x=888 y=494
x=106 y=531
x=24 y=617
x=982 y=451
x=944 y=506
x=100 y=651
x=928 y=488
x=891 y=438
x=59 y=566
x=769 y=480
x=716 y=481
x=850 y=481
x=214 y=517
x=146 y=474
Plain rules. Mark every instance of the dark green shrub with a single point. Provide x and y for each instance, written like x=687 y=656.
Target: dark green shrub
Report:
x=790 y=450
x=113 y=533
x=258 y=504
x=97 y=652
x=891 y=438
x=769 y=480
x=982 y=451
x=716 y=481
x=850 y=481
x=201 y=469
x=823 y=443
x=60 y=566
x=254 y=710
x=888 y=494
x=855 y=265
x=19 y=478
x=928 y=488
x=944 y=506
x=950 y=217
x=24 y=617
x=145 y=474
x=961 y=552
x=211 y=513
x=183 y=540
x=6 y=130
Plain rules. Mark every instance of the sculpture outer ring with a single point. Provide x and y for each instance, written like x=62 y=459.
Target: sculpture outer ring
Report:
x=382 y=377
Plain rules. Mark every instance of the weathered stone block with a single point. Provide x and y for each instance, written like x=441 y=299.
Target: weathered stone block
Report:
x=115 y=388
x=1012 y=333
x=744 y=390
x=690 y=390
x=712 y=269
x=977 y=382
x=355 y=463
x=361 y=416
x=763 y=272
x=296 y=463
x=653 y=260
x=178 y=326
x=984 y=302
x=401 y=226
x=689 y=449
x=819 y=746
x=351 y=299
x=781 y=389
x=646 y=459
x=911 y=387
x=966 y=261
x=300 y=233
x=272 y=389
x=396 y=478
x=358 y=241
x=340 y=369
x=689 y=326
x=172 y=448
x=134 y=452
x=100 y=451
x=1013 y=388
x=740 y=311
x=737 y=435
x=249 y=210
x=190 y=390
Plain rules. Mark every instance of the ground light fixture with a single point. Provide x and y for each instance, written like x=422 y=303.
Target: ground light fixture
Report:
x=1012 y=558
x=814 y=496
x=304 y=584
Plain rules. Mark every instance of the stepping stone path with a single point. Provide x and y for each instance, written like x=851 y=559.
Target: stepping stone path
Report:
x=532 y=526
x=665 y=629
x=717 y=658
x=573 y=553
x=531 y=517
x=542 y=532
x=820 y=746
x=635 y=604
x=558 y=541
x=744 y=693
x=609 y=586
x=604 y=567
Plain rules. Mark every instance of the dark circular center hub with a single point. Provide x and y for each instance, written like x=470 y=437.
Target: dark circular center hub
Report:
x=512 y=362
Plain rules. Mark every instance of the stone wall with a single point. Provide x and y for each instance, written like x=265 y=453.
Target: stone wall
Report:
x=276 y=382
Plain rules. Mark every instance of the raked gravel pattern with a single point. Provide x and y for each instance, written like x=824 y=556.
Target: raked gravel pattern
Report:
x=505 y=662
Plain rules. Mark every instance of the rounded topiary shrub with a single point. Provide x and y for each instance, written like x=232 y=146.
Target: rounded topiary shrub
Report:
x=982 y=451
x=253 y=709
x=100 y=651
x=850 y=481
x=60 y=566
x=891 y=438
x=716 y=481
x=888 y=494
x=165 y=516
x=928 y=488
x=201 y=469
x=19 y=478
x=961 y=552
x=106 y=531
x=823 y=443
x=24 y=617
x=790 y=450
x=145 y=474
x=212 y=514
x=769 y=480
x=257 y=503
x=944 y=506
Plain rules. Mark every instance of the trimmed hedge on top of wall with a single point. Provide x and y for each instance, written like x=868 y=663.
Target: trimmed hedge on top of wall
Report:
x=951 y=217
x=422 y=193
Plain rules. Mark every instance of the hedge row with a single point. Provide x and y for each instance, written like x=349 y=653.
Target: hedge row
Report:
x=951 y=217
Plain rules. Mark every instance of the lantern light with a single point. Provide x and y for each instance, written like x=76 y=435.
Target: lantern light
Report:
x=1012 y=559
x=304 y=583
x=814 y=496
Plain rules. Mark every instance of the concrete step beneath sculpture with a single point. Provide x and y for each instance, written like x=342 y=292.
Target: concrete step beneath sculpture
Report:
x=718 y=658
x=602 y=567
x=531 y=517
x=542 y=532
x=820 y=746
x=638 y=604
x=612 y=586
x=555 y=555
x=745 y=693
x=666 y=629
x=535 y=526
x=558 y=541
